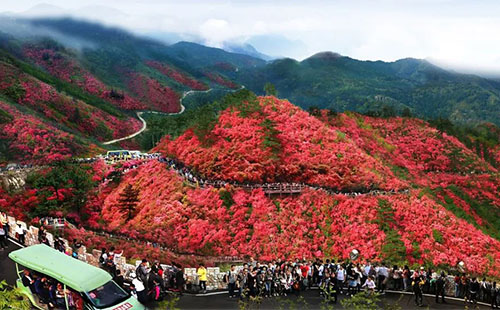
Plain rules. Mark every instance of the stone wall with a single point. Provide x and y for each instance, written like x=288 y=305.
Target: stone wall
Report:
x=31 y=238
x=92 y=258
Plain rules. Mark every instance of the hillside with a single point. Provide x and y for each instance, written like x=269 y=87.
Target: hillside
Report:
x=90 y=93
x=328 y=80
x=449 y=213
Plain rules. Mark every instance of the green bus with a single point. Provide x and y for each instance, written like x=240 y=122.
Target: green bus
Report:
x=95 y=286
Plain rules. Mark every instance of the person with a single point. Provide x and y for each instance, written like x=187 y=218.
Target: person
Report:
x=27 y=280
x=3 y=237
x=242 y=282
x=352 y=282
x=114 y=255
x=103 y=258
x=140 y=289
x=383 y=273
x=5 y=223
x=494 y=295
x=179 y=279
x=75 y=247
x=370 y=284
x=406 y=278
x=41 y=234
x=417 y=284
x=59 y=296
x=440 y=287
x=202 y=277
x=142 y=273
x=155 y=291
x=77 y=300
x=20 y=234
x=340 y=278
x=332 y=288
x=118 y=278
x=473 y=290
x=457 y=285
x=231 y=281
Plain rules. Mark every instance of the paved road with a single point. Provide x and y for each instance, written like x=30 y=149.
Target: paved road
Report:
x=312 y=299
x=222 y=301
x=7 y=266
x=144 y=126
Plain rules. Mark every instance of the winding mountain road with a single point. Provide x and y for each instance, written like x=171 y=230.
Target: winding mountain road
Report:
x=145 y=125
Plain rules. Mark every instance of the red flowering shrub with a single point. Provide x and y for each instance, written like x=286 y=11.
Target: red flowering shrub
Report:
x=275 y=141
x=62 y=109
x=230 y=221
x=67 y=69
x=219 y=79
x=156 y=96
x=178 y=76
x=18 y=205
x=32 y=141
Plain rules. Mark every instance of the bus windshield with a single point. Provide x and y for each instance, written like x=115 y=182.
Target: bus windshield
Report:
x=107 y=295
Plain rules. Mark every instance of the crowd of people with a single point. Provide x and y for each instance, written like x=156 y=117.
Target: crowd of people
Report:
x=279 y=278
x=276 y=187
x=195 y=178
x=151 y=283
x=148 y=283
x=12 y=167
x=51 y=292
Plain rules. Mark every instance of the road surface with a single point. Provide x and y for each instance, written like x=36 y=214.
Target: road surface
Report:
x=144 y=126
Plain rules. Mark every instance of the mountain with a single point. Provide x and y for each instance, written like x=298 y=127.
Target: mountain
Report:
x=339 y=83
x=84 y=80
x=396 y=189
x=245 y=49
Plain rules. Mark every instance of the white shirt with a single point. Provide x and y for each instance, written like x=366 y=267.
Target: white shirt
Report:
x=383 y=271
x=320 y=270
x=369 y=283
x=139 y=286
x=367 y=269
x=340 y=274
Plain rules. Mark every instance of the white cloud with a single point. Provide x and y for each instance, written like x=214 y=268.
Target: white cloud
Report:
x=456 y=32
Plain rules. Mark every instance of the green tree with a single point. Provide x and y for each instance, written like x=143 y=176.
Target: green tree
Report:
x=270 y=90
x=64 y=187
x=128 y=201
x=13 y=298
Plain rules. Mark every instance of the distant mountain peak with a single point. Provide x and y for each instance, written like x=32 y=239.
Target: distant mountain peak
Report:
x=326 y=55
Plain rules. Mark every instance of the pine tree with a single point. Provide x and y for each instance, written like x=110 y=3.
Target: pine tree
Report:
x=270 y=90
x=128 y=201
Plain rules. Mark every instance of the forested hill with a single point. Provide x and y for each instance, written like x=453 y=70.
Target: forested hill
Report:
x=328 y=80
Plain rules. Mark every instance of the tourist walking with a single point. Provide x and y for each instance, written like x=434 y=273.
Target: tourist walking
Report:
x=202 y=277
x=231 y=281
x=494 y=295
x=20 y=234
x=440 y=287
x=3 y=237
x=417 y=284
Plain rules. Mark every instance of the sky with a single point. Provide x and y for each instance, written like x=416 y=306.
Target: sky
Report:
x=456 y=34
